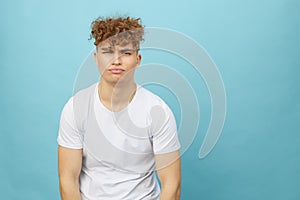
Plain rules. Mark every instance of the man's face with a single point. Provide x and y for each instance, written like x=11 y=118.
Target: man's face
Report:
x=117 y=63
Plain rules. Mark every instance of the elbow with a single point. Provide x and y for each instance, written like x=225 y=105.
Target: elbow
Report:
x=177 y=191
x=68 y=185
x=177 y=197
x=171 y=190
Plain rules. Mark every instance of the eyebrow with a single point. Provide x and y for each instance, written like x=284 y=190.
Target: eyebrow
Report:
x=109 y=49
x=106 y=48
x=127 y=49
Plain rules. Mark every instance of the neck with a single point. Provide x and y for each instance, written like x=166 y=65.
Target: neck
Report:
x=116 y=96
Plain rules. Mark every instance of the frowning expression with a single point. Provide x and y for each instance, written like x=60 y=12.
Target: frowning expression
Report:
x=116 y=62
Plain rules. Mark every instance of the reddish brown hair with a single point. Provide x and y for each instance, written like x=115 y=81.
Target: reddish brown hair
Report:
x=119 y=30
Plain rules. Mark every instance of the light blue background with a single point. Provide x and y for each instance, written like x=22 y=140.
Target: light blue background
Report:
x=255 y=45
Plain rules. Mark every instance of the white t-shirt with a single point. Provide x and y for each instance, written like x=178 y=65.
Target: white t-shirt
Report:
x=118 y=147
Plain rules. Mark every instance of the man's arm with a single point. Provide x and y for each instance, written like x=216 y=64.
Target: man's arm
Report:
x=69 y=167
x=169 y=174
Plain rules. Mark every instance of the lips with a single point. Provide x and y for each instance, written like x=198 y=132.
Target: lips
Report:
x=116 y=70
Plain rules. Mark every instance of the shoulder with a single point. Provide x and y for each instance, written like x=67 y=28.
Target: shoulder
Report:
x=154 y=105
x=77 y=106
x=86 y=92
x=79 y=97
x=149 y=98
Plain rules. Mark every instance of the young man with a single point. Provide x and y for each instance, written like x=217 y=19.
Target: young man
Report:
x=114 y=134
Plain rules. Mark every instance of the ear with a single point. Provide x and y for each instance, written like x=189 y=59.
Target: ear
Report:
x=138 y=60
x=95 y=57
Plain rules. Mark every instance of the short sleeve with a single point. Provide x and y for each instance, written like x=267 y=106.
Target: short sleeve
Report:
x=164 y=131
x=68 y=135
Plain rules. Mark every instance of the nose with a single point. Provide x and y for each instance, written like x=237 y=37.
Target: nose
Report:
x=117 y=59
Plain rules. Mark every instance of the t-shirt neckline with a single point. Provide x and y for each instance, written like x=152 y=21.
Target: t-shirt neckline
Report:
x=99 y=102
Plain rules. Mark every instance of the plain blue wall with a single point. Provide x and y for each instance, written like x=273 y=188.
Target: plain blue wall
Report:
x=255 y=45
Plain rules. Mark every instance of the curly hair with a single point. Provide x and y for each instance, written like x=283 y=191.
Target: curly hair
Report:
x=119 y=30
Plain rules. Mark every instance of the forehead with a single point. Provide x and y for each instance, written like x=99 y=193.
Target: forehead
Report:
x=108 y=45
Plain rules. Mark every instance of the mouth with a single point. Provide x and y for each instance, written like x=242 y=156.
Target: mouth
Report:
x=116 y=70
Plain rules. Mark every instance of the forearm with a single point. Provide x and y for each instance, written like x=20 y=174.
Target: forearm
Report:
x=170 y=192
x=69 y=190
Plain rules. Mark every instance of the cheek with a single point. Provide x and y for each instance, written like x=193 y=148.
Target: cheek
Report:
x=130 y=62
x=103 y=63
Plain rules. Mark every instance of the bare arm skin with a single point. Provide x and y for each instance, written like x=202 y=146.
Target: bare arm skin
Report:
x=69 y=167
x=169 y=173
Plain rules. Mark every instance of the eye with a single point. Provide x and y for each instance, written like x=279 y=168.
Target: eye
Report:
x=126 y=52
x=106 y=52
